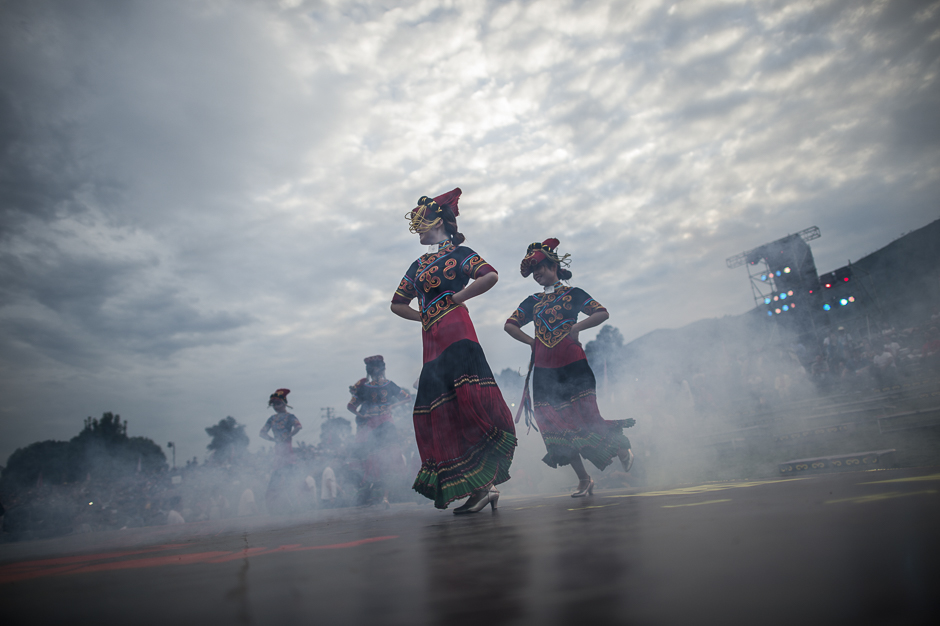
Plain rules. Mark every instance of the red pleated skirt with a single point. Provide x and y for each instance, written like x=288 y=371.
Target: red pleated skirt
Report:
x=464 y=430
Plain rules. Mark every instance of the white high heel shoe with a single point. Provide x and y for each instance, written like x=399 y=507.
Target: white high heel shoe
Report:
x=478 y=501
x=627 y=460
x=585 y=488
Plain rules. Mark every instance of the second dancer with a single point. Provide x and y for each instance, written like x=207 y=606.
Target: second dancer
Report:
x=563 y=385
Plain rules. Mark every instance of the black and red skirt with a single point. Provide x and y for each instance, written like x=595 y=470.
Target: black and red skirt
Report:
x=464 y=430
x=565 y=403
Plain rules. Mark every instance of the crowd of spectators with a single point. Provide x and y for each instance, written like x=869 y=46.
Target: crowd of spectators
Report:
x=881 y=358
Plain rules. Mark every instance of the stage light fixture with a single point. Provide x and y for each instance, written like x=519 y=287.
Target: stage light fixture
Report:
x=778 y=272
x=770 y=313
x=851 y=298
x=826 y=307
x=786 y=270
x=845 y=279
x=777 y=311
x=843 y=301
x=786 y=307
x=783 y=296
x=766 y=300
x=776 y=298
x=828 y=285
x=763 y=277
x=790 y=293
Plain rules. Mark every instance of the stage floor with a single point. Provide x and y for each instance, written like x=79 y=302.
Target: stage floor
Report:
x=859 y=547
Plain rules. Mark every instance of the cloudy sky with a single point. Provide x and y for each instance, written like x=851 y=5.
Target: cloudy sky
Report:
x=202 y=201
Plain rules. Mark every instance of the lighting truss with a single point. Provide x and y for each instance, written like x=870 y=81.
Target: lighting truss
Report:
x=807 y=235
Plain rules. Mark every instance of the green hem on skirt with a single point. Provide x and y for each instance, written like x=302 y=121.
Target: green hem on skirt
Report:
x=485 y=464
x=599 y=449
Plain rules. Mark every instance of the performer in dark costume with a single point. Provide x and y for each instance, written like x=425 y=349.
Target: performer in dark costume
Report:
x=283 y=426
x=563 y=384
x=377 y=448
x=463 y=427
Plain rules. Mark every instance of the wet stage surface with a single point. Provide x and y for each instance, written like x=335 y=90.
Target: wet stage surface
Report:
x=861 y=547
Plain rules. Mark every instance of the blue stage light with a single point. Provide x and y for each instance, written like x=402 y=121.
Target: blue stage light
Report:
x=766 y=300
x=826 y=307
x=783 y=296
x=786 y=308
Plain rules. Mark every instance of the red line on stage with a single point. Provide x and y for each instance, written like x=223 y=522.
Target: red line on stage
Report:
x=86 y=564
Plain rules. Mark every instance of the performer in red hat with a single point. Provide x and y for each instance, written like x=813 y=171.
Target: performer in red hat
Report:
x=463 y=427
x=377 y=447
x=280 y=428
x=563 y=384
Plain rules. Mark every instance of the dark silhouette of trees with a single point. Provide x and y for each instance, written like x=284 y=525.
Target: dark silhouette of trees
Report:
x=47 y=458
x=334 y=432
x=510 y=384
x=228 y=439
x=605 y=352
x=102 y=449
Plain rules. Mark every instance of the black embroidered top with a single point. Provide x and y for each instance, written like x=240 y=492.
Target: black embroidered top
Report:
x=376 y=398
x=554 y=313
x=434 y=278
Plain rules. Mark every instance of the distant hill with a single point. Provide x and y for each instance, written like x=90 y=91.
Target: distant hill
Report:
x=903 y=278
x=898 y=285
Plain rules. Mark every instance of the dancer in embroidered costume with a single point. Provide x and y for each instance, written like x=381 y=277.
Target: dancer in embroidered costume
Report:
x=563 y=384
x=463 y=427
x=377 y=448
x=283 y=426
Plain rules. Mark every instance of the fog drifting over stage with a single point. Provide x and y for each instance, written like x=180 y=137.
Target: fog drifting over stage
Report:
x=203 y=201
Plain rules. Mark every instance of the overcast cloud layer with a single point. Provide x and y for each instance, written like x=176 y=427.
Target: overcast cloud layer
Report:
x=202 y=201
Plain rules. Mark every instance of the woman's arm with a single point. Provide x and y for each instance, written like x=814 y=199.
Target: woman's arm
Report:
x=480 y=285
x=354 y=409
x=264 y=432
x=595 y=319
x=405 y=311
x=518 y=334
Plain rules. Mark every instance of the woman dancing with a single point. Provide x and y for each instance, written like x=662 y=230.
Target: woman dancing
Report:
x=563 y=385
x=463 y=427
x=283 y=426
x=373 y=399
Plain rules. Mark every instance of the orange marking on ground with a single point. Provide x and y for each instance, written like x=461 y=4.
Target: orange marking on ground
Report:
x=350 y=544
x=154 y=561
x=242 y=554
x=84 y=558
x=81 y=564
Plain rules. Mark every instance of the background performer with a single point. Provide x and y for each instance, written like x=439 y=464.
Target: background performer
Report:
x=563 y=385
x=283 y=426
x=463 y=427
x=377 y=447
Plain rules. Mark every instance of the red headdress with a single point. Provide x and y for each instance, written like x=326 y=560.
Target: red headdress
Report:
x=538 y=252
x=427 y=214
x=280 y=394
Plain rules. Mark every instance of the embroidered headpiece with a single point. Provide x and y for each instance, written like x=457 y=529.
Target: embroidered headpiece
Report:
x=427 y=215
x=374 y=359
x=279 y=395
x=538 y=252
